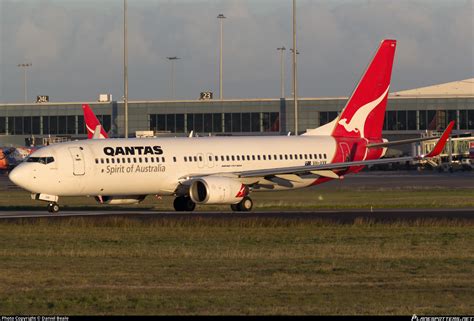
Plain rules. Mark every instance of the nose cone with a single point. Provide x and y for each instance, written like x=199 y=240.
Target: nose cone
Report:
x=19 y=176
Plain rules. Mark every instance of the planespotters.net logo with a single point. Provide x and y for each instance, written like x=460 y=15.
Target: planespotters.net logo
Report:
x=430 y=318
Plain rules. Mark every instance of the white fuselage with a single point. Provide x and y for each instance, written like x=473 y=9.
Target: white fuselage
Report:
x=159 y=165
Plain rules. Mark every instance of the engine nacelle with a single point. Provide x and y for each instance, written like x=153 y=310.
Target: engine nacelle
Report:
x=120 y=200
x=217 y=190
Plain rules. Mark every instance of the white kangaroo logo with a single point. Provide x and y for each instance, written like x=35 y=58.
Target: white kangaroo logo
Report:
x=357 y=122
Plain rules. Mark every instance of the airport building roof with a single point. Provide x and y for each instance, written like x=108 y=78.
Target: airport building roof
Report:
x=450 y=89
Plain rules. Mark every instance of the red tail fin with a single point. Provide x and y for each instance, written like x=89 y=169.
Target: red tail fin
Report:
x=92 y=122
x=364 y=113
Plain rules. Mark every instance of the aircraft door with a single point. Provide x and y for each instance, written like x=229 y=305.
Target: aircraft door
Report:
x=78 y=162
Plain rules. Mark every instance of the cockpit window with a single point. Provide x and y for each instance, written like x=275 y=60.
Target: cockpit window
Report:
x=41 y=160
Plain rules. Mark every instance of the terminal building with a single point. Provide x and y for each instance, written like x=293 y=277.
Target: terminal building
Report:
x=409 y=114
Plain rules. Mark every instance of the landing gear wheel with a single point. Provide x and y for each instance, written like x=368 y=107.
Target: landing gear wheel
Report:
x=53 y=207
x=244 y=205
x=184 y=203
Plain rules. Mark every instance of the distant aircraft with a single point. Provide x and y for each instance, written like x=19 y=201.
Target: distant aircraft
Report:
x=92 y=122
x=12 y=156
x=222 y=170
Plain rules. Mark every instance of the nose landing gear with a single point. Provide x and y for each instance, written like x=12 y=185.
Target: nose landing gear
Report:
x=53 y=208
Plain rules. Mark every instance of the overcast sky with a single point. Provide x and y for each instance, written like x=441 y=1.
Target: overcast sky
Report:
x=76 y=46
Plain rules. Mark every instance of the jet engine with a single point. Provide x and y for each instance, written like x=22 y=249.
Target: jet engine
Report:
x=120 y=200
x=217 y=190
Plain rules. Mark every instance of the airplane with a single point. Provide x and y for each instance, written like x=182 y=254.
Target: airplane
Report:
x=12 y=156
x=222 y=170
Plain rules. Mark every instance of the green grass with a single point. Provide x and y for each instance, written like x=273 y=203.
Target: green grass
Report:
x=237 y=266
x=304 y=199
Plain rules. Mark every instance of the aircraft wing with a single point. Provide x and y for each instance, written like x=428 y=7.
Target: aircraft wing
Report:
x=325 y=168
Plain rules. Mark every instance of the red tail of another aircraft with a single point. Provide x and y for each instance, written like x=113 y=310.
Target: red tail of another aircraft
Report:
x=363 y=115
x=92 y=122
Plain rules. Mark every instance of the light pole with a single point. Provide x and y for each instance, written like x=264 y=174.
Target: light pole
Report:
x=172 y=59
x=295 y=51
x=221 y=17
x=292 y=84
x=125 y=68
x=24 y=66
x=282 y=72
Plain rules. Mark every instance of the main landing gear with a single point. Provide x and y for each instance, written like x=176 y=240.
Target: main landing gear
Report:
x=244 y=205
x=53 y=208
x=184 y=204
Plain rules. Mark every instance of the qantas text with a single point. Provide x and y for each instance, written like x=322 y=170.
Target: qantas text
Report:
x=133 y=150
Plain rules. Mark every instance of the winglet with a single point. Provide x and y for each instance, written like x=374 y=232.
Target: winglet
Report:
x=442 y=141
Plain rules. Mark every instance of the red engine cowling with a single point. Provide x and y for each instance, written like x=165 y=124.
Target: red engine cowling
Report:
x=217 y=190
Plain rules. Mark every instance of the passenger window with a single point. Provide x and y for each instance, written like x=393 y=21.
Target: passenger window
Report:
x=227 y=157
x=315 y=156
x=253 y=157
x=281 y=156
x=107 y=160
x=238 y=157
x=243 y=157
x=185 y=159
x=264 y=157
x=286 y=157
x=134 y=159
x=210 y=158
x=112 y=160
x=291 y=156
x=163 y=160
x=200 y=158
x=139 y=159
x=174 y=159
x=305 y=156
x=96 y=161
x=123 y=160
x=325 y=156
x=233 y=158
x=146 y=159
x=301 y=156
x=195 y=158
x=320 y=156
x=248 y=157
x=222 y=158
x=258 y=157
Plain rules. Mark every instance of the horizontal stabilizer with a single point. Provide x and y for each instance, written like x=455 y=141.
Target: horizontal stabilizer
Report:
x=400 y=142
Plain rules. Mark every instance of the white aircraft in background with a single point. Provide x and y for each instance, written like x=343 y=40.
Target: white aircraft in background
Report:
x=221 y=170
